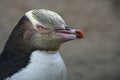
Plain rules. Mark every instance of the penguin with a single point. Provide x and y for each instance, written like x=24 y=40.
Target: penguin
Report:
x=32 y=49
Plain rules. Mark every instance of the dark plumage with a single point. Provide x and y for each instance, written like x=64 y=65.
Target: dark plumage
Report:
x=16 y=53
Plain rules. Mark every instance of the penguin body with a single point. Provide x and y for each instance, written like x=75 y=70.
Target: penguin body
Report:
x=42 y=66
x=32 y=50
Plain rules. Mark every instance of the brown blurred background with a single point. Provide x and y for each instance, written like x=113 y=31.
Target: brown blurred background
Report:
x=97 y=56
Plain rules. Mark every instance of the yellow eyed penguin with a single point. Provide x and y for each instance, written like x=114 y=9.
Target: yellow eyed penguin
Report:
x=31 y=52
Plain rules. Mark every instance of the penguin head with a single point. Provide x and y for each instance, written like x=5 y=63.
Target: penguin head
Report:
x=46 y=30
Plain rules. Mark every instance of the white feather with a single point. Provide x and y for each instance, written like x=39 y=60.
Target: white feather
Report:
x=43 y=66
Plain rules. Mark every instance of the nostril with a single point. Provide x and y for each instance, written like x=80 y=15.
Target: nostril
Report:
x=67 y=28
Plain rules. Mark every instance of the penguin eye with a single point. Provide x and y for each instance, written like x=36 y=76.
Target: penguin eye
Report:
x=41 y=28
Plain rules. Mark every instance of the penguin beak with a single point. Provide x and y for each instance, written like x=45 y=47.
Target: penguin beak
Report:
x=70 y=33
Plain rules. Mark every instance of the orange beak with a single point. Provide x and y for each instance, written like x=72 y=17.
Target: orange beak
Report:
x=70 y=33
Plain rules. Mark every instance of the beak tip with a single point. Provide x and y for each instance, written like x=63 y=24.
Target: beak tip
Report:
x=79 y=34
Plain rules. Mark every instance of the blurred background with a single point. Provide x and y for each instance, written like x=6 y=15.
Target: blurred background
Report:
x=97 y=56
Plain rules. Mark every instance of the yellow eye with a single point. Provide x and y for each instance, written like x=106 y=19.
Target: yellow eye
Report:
x=41 y=28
